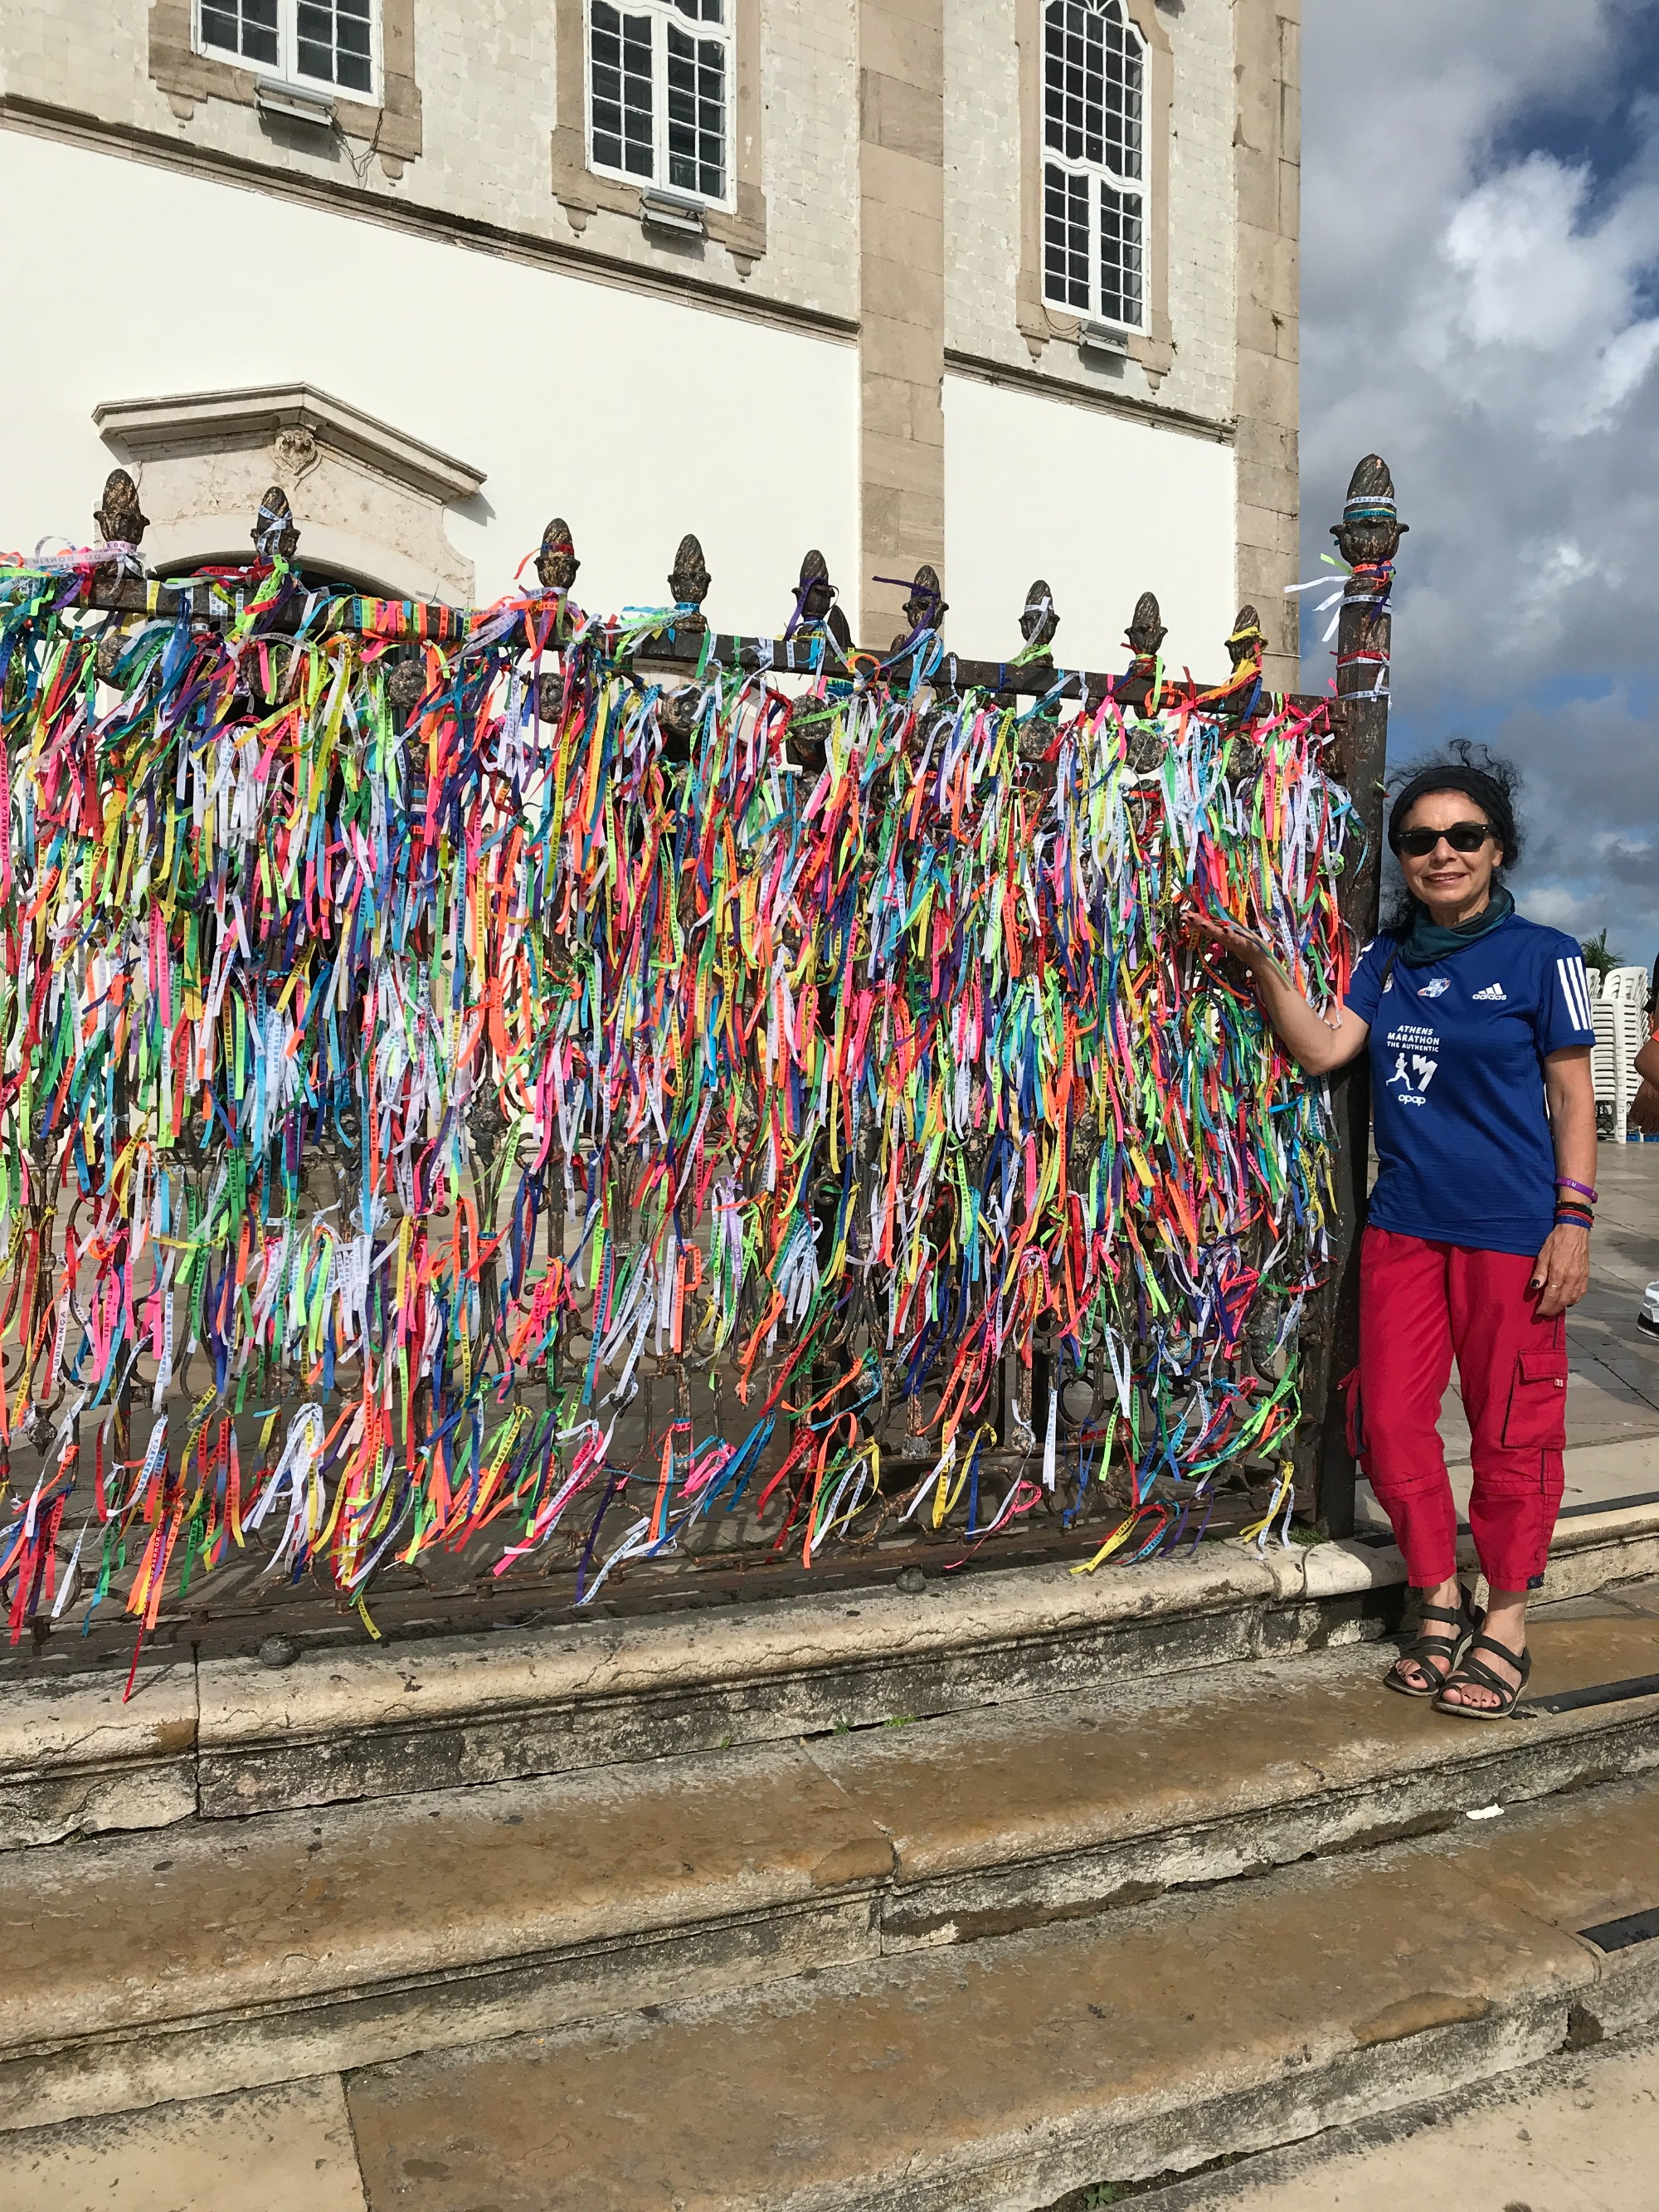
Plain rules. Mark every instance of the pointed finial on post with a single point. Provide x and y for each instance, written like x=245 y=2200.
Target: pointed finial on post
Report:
x=1039 y=622
x=1371 y=530
x=1246 y=644
x=273 y=534
x=1146 y=631
x=814 y=602
x=556 y=563
x=120 y=519
x=926 y=608
x=688 y=580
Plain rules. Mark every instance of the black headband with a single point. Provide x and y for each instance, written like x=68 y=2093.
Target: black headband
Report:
x=1487 y=791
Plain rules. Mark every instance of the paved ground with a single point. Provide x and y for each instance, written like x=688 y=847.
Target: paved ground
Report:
x=1613 y=1402
x=1584 y=2138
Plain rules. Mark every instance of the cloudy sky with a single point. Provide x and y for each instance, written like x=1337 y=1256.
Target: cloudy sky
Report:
x=1481 y=304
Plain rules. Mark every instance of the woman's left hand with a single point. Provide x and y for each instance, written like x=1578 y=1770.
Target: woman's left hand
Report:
x=1560 y=1273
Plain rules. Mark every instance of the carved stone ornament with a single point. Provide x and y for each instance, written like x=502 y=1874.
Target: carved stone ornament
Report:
x=296 y=452
x=688 y=579
x=1146 y=631
x=120 y=519
x=815 y=599
x=273 y=534
x=556 y=563
x=1247 y=638
x=1038 y=624
x=1371 y=530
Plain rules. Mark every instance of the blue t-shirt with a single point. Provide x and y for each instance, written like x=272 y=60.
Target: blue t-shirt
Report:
x=1458 y=1083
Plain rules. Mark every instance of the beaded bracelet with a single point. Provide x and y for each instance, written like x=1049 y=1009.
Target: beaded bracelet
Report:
x=1566 y=1183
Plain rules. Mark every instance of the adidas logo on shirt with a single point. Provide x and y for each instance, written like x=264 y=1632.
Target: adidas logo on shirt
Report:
x=1493 y=991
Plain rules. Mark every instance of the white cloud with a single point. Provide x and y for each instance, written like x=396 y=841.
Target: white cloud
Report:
x=1478 y=308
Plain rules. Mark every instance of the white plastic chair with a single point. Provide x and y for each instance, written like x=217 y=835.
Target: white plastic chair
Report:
x=1628 y=985
x=1593 y=980
x=1612 y=1058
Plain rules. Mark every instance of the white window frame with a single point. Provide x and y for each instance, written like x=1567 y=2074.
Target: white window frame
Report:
x=664 y=15
x=1098 y=177
x=285 y=70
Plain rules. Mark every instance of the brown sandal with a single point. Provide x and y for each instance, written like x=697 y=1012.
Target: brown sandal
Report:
x=1471 y=1673
x=1428 y=1648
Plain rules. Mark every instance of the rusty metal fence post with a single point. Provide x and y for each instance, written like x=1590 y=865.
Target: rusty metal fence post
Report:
x=1368 y=538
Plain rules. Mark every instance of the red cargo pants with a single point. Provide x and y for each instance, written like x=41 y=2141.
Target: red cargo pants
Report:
x=1418 y=1303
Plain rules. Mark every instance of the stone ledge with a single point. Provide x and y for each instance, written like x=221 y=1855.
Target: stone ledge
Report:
x=456 y=1712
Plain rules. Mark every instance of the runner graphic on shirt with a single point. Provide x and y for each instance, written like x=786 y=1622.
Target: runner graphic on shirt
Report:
x=1416 y=1050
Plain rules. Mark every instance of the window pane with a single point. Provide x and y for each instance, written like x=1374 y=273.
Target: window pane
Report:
x=1092 y=85
x=1120 y=250
x=619 y=59
x=335 y=43
x=1066 y=239
x=696 y=115
x=247 y=27
x=701 y=11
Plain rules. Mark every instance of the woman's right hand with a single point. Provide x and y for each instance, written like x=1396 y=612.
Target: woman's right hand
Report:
x=1250 y=951
x=1307 y=1036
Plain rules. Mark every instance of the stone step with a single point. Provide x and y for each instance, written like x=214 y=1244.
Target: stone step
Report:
x=227 y=1737
x=1000 y=2076
x=216 y=1957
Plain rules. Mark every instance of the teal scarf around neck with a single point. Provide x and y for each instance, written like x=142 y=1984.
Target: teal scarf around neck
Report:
x=1430 y=941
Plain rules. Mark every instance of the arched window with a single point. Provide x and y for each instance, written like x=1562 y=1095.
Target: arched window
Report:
x=1094 y=192
x=659 y=73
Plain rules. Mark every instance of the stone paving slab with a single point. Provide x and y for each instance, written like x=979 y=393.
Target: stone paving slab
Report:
x=272 y=2150
x=1576 y=2134
x=1000 y=2075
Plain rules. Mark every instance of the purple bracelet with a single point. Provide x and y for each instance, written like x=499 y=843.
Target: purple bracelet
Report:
x=1566 y=1183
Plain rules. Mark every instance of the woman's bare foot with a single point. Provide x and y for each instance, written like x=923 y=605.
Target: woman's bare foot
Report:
x=1427 y=1674
x=1506 y=1624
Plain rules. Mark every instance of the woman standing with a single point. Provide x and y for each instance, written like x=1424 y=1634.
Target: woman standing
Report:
x=1478 y=1239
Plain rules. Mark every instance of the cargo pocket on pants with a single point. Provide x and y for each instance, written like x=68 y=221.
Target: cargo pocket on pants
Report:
x=1536 y=1419
x=1353 y=1413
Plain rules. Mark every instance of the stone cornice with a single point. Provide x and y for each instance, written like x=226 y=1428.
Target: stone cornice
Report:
x=205 y=420
x=985 y=369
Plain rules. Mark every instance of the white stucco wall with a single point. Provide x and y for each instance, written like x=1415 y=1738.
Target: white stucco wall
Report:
x=1101 y=507
x=635 y=417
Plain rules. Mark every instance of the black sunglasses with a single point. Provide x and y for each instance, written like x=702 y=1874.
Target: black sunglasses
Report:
x=1462 y=837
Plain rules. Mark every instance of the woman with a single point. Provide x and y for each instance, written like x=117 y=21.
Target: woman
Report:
x=1478 y=1240
x=1644 y=1108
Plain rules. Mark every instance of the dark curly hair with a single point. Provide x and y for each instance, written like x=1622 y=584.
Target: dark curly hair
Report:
x=1493 y=784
